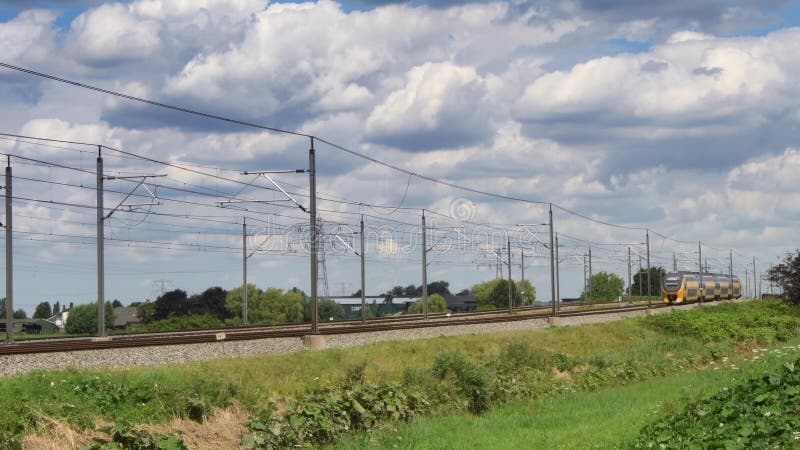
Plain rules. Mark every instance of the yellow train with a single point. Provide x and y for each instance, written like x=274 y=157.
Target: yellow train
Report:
x=679 y=287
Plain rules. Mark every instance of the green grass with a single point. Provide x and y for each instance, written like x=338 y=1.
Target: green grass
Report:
x=608 y=418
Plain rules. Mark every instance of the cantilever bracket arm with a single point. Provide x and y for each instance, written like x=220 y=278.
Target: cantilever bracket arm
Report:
x=141 y=182
x=284 y=192
x=265 y=174
x=347 y=245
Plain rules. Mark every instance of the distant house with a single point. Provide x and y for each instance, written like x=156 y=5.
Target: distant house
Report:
x=352 y=305
x=461 y=303
x=59 y=320
x=42 y=326
x=126 y=318
x=31 y=326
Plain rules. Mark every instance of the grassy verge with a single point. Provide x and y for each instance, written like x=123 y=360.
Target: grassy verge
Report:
x=314 y=398
x=607 y=418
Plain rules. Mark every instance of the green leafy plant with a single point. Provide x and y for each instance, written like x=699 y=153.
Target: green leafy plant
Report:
x=470 y=378
x=518 y=355
x=763 y=412
x=188 y=322
x=324 y=416
x=124 y=437
x=766 y=322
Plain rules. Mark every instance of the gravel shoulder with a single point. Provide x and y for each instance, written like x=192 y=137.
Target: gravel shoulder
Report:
x=176 y=354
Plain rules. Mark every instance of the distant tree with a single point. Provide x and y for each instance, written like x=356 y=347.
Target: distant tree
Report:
x=71 y=305
x=787 y=276
x=499 y=295
x=329 y=309
x=494 y=293
x=275 y=307
x=526 y=291
x=116 y=303
x=356 y=293
x=412 y=291
x=18 y=314
x=146 y=311
x=234 y=301
x=211 y=301
x=82 y=319
x=43 y=311
x=464 y=291
x=172 y=303
x=396 y=291
x=482 y=292
x=436 y=304
x=272 y=307
x=56 y=308
x=297 y=290
x=640 y=280
x=604 y=286
x=438 y=287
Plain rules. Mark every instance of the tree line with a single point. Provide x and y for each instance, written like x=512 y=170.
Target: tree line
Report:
x=217 y=306
x=787 y=276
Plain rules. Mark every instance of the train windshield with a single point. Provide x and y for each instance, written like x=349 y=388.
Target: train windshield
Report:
x=672 y=282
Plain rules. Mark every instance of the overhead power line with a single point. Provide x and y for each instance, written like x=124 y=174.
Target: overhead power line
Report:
x=300 y=134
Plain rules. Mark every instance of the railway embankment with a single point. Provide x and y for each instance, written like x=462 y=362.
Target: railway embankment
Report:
x=162 y=354
x=316 y=398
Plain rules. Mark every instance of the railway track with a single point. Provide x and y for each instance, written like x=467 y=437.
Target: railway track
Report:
x=302 y=329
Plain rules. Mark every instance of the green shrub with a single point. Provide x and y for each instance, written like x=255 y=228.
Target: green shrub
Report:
x=564 y=362
x=764 y=322
x=322 y=417
x=82 y=319
x=436 y=304
x=356 y=373
x=177 y=323
x=762 y=412
x=470 y=378
x=127 y=438
x=518 y=356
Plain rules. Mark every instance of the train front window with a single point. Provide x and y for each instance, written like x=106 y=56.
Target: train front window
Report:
x=672 y=282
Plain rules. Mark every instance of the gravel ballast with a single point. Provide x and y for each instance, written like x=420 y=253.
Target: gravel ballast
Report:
x=175 y=354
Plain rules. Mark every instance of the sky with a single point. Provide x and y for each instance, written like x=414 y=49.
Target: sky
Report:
x=677 y=117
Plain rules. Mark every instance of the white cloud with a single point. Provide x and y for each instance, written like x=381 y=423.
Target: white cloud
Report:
x=58 y=127
x=28 y=37
x=712 y=102
x=296 y=58
x=685 y=36
x=518 y=99
x=774 y=175
x=437 y=99
x=176 y=9
x=112 y=33
x=680 y=82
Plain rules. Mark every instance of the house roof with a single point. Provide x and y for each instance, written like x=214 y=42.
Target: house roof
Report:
x=460 y=300
x=369 y=299
x=124 y=315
